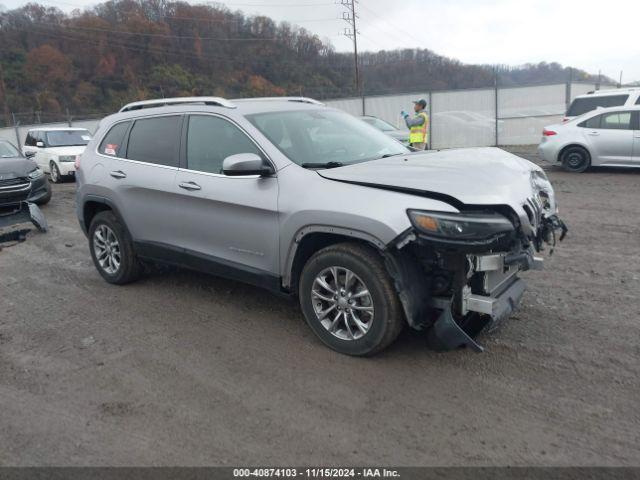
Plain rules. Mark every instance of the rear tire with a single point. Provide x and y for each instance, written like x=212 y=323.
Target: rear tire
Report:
x=112 y=250
x=575 y=159
x=366 y=324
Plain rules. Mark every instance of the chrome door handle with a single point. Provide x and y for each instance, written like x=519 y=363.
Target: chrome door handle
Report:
x=595 y=134
x=118 y=174
x=189 y=186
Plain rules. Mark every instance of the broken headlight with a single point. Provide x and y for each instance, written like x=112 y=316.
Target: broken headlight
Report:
x=471 y=226
x=35 y=174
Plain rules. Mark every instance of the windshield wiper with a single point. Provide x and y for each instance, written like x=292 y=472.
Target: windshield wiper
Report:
x=387 y=155
x=322 y=165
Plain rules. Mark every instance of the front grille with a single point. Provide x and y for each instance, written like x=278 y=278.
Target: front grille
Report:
x=8 y=182
x=14 y=190
x=533 y=207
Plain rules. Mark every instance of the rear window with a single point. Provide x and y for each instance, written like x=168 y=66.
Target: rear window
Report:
x=112 y=141
x=587 y=104
x=155 y=140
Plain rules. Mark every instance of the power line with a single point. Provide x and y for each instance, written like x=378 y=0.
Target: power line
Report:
x=159 y=35
x=351 y=32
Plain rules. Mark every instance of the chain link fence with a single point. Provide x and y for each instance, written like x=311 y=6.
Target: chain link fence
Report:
x=459 y=118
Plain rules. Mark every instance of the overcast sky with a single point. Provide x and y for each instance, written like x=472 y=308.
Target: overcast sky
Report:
x=583 y=33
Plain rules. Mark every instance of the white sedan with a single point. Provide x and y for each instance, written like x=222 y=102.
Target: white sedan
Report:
x=603 y=137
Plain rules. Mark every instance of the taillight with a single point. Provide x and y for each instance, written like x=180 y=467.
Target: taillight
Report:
x=548 y=133
x=77 y=162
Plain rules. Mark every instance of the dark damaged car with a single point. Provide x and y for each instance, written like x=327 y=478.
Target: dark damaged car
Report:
x=311 y=202
x=23 y=186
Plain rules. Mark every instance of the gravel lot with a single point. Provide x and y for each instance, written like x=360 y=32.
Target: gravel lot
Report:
x=185 y=369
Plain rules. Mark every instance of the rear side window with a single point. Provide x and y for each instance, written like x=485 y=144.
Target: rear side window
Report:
x=155 y=140
x=587 y=104
x=616 y=121
x=112 y=141
x=211 y=139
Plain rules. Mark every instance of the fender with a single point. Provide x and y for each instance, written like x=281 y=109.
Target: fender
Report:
x=300 y=234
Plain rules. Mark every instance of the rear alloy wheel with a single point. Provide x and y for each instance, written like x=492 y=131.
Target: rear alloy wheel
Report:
x=576 y=159
x=54 y=173
x=112 y=250
x=349 y=301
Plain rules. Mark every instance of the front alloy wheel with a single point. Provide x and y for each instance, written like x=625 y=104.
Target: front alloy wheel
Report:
x=349 y=300
x=342 y=303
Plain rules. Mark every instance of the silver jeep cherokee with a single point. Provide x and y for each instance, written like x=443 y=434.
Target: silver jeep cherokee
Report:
x=301 y=199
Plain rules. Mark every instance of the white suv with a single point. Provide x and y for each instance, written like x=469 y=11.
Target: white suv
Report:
x=602 y=99
x=55 y=149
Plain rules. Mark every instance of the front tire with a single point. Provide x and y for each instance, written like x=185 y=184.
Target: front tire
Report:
x=575 y=159
x=112 y=250
x=349 y=301
x=54 y=173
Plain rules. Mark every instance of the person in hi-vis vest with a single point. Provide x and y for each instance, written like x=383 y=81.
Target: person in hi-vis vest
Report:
x=418 y=126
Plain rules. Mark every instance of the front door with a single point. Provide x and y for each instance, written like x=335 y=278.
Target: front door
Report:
x=229 y=223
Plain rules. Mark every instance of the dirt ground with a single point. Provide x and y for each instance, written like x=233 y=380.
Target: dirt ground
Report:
x=185 y=369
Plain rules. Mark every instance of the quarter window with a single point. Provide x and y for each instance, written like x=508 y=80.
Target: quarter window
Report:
x=112 y=141
x=593 y=122
x=155 y=140
x=211 y=139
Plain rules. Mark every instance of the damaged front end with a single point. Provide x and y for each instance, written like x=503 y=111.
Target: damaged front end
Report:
x=457 y=274
x=15 y=210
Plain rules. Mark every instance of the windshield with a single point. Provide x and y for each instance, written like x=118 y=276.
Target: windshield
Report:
x=68 y=138
x=379 y=124
x=324 y=137
x=8 y=151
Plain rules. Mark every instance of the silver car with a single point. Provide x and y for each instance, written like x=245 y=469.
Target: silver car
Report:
x=401 y=135
x=310 y=202
x=603 y=137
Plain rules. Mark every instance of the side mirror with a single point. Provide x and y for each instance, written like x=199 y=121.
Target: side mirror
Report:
x=30 y=154
x=40 y=144
x=246 y=164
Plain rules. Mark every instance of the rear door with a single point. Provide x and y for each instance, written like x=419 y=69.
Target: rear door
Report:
x=143 y=179
x=610 y=138
x=231 y=223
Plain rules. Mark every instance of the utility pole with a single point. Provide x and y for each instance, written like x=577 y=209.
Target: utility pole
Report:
x=349 y=16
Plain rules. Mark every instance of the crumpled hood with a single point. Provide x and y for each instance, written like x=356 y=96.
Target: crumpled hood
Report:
x=71 y=150
x=473 y=176
x=15 y=167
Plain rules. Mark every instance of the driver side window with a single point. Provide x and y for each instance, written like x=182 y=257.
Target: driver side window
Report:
x=212 y=139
